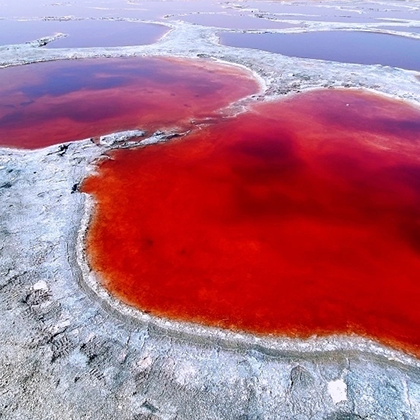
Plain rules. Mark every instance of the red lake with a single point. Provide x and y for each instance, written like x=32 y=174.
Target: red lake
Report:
x=55 y=102
x=298 y=217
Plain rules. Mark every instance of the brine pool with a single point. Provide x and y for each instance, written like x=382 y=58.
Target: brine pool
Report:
x=81 y=33
x=297 y=217
x=342 y=46
x=74 y=99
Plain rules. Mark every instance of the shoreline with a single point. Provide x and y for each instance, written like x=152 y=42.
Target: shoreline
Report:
x=63 y=334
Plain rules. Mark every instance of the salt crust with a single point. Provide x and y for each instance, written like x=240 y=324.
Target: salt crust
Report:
x=277 y=76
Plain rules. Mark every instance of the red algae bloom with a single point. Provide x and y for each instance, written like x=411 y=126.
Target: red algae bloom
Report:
x=298 y=217
x=51 y=103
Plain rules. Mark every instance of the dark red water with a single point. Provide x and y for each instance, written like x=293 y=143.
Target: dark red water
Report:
x=299 y=217
x=81 y=33
x=50 y=103
x=342 y=46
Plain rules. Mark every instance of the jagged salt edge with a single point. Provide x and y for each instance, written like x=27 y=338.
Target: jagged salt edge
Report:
x=91 y=282
x=284 y=344
x=314 y=344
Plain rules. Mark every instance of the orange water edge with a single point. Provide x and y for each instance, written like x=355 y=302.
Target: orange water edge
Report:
x=298 y=217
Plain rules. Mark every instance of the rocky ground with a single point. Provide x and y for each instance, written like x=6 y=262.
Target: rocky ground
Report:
x=70 y=351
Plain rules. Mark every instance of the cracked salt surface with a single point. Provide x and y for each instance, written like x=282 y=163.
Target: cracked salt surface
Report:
x=64 y=355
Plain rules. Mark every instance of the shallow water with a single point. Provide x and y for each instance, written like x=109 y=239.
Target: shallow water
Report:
x=69 y=100
x=342 y=46
x=322 y=18
x=354 y=11
x=298 y=217
x=235 y=21
x=81 y=33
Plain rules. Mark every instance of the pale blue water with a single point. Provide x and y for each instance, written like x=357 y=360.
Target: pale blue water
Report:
x=342 y=46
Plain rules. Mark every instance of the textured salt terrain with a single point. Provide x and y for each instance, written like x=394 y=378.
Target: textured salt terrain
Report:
x=71 y=351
